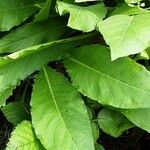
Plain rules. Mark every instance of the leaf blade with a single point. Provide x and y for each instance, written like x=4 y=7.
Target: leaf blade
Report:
x=140 y=117
x=23 y=138
x=15 y=112
x=42 y=32
x=113 y=122
x=64 y=119
x=110 y=83
x=126 y=35
x=19 y=65
x=87 y=16
x=13 y=12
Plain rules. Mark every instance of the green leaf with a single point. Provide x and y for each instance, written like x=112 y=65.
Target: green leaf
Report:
x=23 y=138
x=140 y=117
x=142 y=55
x=126 y=35
x=46 y=31
x=19 y=65
x=95 y=127
x=5 y=94
x=99 y=147
x=68 y=1
x=62 y=115
x=44 y=12
x=122 y=83
x=15 y=112
x=95 y=130
x=80 y=1
x=113 y=122
x=133 y=1
x=87 y=16
x=125 y=9
x=13 y=12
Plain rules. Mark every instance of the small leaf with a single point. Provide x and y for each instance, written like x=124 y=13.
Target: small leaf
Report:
x=122 y=83
x=99 y=147
x=126 y=35
x=142 y=55
x=62 y=115
x=95 y=127
x=23 y=138
x=87 y=16
x=113 y=122
x=95 y=130
x=125 y=9
x=5 y=94
x=140 y=117
x=15 y=112
x=44 y=12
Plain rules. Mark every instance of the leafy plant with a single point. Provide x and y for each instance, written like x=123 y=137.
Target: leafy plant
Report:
x=70 y=70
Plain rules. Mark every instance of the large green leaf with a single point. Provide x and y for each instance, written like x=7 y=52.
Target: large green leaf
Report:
x=59 y=116
x=83 y=18
x=13 y=12
x=140 y=117
x=122 y=83
x=33 y=34
x=19 y=65
x=23 y=138
x=113 y=122
x=126 y=35
x=15 y=112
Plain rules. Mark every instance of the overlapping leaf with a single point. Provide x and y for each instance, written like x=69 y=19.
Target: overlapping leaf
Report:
x=13 y=12
x=58 y=111
x=83 y=18
x=23 y=138
x=126 y=35
x=44 y=12
x=80 y=1
x=99 y=147
x=122 y=83
x=140 y=117
x=19 y=65
x=33 y=34
x=15 y=112
x=5 y=94
x=113 y=122
x=95 y=127
x=125 y=9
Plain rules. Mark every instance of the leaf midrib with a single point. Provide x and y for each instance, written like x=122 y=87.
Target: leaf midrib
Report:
x=79 y=9
x=93 y=69
x=33 y=35
x=125 y=32
x=55 y=103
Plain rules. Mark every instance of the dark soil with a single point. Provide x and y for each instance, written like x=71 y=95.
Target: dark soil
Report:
x=5 y=131
x=134 y=139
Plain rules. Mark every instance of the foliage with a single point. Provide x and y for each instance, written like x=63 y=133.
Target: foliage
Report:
x=82 y=67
